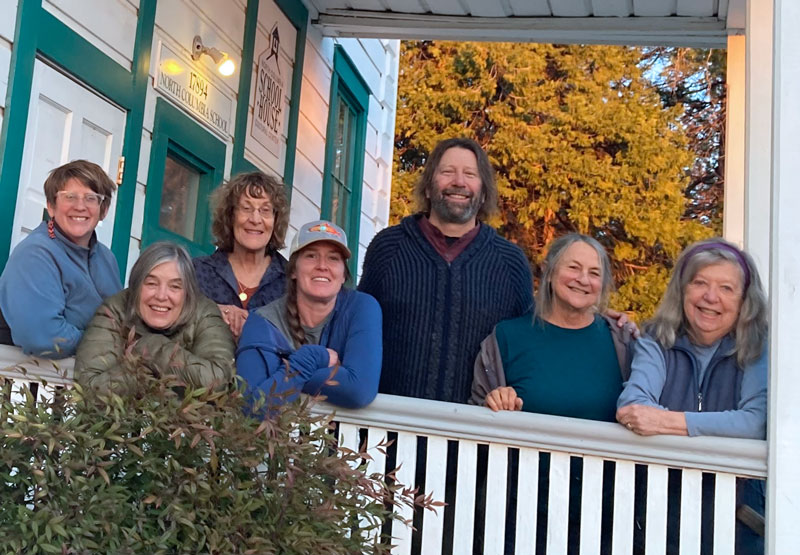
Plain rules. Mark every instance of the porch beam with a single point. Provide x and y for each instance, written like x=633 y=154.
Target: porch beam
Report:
x=701 y=32
x=734 y=162
x=783 y=496
x=758 y=141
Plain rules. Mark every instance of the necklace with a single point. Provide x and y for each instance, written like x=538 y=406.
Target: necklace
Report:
x=242 y=291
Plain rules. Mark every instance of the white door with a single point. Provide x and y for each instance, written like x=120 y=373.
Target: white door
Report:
x=66 y=122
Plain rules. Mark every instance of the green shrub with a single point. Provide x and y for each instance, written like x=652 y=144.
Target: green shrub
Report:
x=160 y=471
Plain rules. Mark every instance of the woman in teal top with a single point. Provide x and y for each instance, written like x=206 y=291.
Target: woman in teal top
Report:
x=565 y=359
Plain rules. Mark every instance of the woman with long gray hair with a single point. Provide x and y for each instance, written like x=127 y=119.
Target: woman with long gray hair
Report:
x=701 y=368
x=532 y=363
x=162 y=319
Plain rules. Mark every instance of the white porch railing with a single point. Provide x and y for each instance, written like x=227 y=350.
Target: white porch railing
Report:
x=405 y=420
x=485 y=441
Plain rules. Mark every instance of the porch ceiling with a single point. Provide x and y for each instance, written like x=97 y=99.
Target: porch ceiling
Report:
x=700 y=23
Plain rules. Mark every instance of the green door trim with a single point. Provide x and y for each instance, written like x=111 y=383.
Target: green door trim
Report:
x=346 y=81
x=177 y=133
x=39 y=33
x=297 y=14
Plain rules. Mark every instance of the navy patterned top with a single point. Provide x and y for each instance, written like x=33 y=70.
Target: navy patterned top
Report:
x=218 y=283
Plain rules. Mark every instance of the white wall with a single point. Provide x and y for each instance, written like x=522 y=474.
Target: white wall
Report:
x=8 y=21
x=221 y=25
x=377 y=62
x=110 y=25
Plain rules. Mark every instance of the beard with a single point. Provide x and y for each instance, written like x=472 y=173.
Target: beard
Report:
x=455 y=212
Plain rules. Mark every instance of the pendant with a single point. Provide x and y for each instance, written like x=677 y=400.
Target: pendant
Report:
x=242 y=296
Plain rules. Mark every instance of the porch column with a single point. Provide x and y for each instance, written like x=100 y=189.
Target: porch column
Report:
x=758 y=140
x=783 y=498
x=733 y=217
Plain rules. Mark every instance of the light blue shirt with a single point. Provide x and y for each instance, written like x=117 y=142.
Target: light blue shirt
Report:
x=748 y=420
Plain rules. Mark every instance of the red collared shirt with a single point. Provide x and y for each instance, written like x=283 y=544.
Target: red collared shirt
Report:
x=447 y=247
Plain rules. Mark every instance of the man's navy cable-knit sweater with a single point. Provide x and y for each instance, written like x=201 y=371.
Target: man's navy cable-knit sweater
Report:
x=436 y=314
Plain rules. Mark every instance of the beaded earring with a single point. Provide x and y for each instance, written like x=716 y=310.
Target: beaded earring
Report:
x=51 y=229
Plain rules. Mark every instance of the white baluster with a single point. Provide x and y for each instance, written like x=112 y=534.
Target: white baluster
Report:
x=435 y=470
x=376 y=448
x=724 y=514
x=558 y=504
x=622 y=533
x=656 y=527
x=691 y=501
x=591 y=505
x=406 y=462
x=464 y=514
x=496 y=485
x=527 y=500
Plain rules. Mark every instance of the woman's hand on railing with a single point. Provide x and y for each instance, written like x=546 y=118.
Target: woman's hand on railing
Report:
x=503 y=398
x=650 y=421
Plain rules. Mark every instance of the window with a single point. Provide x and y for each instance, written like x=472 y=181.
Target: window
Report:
x=345 y=150
x=186 y=163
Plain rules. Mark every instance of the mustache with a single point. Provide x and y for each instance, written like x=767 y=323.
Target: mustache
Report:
x=457 y=191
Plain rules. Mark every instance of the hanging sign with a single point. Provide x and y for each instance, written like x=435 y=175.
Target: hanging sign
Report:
x=193 y=90
x=271 y=87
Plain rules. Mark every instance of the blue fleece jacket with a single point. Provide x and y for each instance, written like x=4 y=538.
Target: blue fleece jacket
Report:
x=268 y=364
x=51 y=288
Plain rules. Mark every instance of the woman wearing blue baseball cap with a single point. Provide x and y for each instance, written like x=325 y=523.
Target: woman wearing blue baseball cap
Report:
x=320 y=338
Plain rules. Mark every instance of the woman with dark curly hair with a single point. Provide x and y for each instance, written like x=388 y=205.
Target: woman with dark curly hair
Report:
x=251 y=214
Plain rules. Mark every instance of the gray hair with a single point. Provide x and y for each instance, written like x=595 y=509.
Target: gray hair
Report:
x=545 y=299
x=750 y=330
x=152 y=256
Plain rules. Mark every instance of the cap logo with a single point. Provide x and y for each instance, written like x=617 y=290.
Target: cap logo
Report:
x=323 y=228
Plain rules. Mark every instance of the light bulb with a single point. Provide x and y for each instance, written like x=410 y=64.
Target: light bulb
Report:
x=227 y=67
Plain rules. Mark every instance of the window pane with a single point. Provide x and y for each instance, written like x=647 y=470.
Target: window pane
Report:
x=179 y=198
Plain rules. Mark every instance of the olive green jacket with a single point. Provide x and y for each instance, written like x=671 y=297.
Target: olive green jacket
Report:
x=198 y=352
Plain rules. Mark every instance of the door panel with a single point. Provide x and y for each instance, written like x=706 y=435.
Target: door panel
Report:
x=66 y=122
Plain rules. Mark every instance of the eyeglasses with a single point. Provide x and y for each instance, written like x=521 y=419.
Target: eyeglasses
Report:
x=92 y=200
x=265 y=212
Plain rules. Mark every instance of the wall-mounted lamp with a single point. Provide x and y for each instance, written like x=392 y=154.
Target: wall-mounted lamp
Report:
x=225 y=65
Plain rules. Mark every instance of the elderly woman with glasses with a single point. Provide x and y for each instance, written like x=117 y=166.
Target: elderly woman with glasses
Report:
x=246 y=271
x=59 y=274
x=160 y=321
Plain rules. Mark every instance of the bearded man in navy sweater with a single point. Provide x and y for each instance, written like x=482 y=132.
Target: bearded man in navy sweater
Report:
x=443 y=278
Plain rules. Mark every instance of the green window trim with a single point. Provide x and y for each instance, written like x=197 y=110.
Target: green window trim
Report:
x=347 y=85
x=177 y=135
x=297 y=14
x=40 y=34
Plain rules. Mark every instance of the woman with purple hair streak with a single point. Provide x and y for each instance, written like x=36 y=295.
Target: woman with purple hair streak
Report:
x=701 y=367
